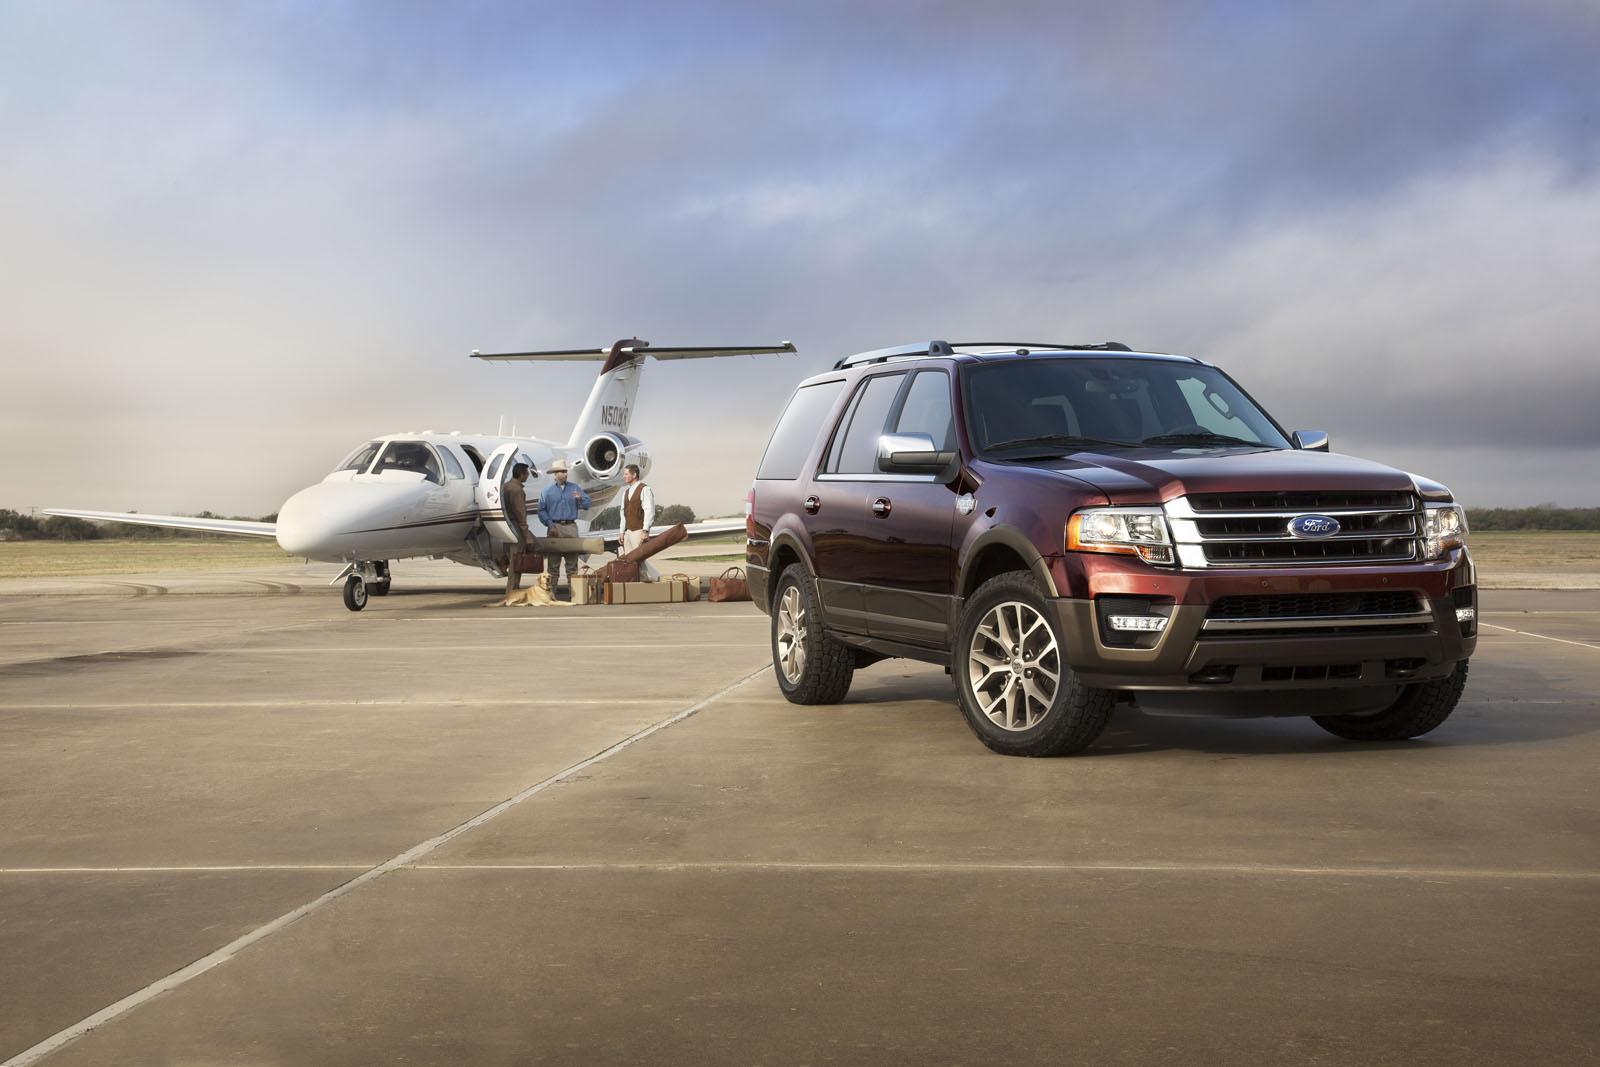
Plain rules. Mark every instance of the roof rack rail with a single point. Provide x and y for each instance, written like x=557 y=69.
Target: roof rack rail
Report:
x=919 y=349
x=1100 y=346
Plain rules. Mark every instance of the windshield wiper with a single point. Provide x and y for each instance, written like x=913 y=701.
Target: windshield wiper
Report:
x=1052 y=439
x=1206 y=438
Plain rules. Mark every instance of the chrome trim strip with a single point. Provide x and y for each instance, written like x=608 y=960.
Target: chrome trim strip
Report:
x=1316 y=622
x=877 y=477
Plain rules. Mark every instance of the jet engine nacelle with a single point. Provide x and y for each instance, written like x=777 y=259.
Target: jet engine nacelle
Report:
x=604 y=455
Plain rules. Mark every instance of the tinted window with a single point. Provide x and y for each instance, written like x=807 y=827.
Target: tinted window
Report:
x=411 y=456
x=855 y=447
x=361 y=458
x=927 y=409
x=451 y=464
x=798 y=428
x=494 y=465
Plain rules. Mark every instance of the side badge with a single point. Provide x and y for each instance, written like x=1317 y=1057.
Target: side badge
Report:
x=965 y=503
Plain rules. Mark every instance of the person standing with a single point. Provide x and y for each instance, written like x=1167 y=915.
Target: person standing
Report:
x=638 y=515
x=559 y=505
x=514 y=500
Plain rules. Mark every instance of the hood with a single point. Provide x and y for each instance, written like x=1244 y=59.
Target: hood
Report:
x=1156 y=475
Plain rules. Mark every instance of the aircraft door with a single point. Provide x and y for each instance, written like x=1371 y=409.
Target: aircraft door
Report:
x=491 y=490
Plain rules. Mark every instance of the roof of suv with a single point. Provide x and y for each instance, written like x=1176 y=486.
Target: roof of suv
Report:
x=985 y=351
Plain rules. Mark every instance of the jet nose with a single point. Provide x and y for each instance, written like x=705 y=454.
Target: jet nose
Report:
x=338 y=521
x=305 y=525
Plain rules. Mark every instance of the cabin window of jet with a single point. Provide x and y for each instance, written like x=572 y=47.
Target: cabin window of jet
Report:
x=411 y=456
x=451 y=464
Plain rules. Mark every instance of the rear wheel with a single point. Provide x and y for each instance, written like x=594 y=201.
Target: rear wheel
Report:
x=813 y=667
x=1418 y=709
x=355 y=592
x=1012 y=681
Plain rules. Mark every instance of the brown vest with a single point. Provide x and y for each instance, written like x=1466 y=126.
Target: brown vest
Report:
x=633 y=507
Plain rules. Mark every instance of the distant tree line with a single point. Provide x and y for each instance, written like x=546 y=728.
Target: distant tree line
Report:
x=1539 y=517
x=14 y=525
x=666 y=515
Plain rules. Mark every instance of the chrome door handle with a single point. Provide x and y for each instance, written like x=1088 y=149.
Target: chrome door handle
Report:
x=813 y=505
x=881 y=506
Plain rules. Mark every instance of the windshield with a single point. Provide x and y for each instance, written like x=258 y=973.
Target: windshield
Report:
x=361 y=458
x=1044 y=406
x=410 y=456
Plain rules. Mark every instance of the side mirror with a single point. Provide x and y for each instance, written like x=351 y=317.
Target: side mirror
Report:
x=1311 y=440
x=911 y=453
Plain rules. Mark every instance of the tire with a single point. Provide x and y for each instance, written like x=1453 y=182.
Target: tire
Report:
x=1011 y=707
x=812 y=666
x=1419 y=708
x=355 y=593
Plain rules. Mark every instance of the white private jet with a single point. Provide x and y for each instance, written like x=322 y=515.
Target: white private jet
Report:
x=438 y=495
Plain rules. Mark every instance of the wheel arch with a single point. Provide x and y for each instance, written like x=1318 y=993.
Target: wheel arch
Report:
x=998 y=550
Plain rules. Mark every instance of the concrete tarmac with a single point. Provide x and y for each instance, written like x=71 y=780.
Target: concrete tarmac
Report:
x=268 y=830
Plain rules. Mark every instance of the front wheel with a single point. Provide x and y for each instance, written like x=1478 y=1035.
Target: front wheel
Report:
x=813 y=666
x=1418 y=709
x=1012 y=681
x=355 y=592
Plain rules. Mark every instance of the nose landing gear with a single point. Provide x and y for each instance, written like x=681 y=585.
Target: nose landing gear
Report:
x=365 y=580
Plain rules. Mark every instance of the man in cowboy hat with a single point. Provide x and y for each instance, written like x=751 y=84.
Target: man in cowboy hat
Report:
x=559 y=505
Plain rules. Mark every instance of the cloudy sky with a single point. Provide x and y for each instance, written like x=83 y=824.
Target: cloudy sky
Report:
x=236 y=239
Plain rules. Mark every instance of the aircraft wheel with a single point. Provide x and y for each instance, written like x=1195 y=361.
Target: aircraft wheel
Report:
x=381 y=586
x=355 y=593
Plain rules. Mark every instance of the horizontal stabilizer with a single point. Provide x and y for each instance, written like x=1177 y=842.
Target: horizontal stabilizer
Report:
x=235 y=527
x=598 y=355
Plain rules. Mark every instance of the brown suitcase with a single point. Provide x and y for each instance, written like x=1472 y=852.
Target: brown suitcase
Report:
x=619 y=570
x=528 y=563
x=730 y=586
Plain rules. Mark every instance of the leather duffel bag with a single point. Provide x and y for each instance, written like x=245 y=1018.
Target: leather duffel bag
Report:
x=730 y=586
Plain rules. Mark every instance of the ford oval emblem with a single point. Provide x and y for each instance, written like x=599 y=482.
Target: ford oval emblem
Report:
x=1313 y=526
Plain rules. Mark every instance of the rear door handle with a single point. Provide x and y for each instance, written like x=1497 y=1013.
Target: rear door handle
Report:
x=813 y=505
x=881 y=506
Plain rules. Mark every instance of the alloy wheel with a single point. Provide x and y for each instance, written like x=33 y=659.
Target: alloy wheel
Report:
x=1014 y=666
x=791 y=640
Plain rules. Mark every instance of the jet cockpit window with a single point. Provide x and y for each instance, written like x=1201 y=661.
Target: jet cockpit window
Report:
x=410 y=456
x=361 y=458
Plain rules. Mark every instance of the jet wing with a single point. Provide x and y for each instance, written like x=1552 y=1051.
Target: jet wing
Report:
x=697 y=531
x=236 y=527
x=562 y=355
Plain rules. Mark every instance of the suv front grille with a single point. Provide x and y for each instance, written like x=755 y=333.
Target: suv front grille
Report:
x=1252 y=529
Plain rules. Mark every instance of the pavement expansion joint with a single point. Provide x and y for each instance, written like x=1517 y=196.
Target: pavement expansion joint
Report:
x=405 y=859
x=1545 y=637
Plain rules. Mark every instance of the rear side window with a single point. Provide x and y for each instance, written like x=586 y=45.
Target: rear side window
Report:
x=798 y=429
x=855 y=447
x=450 y=462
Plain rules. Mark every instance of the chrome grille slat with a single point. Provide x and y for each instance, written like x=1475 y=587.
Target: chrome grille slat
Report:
x=1388 y=534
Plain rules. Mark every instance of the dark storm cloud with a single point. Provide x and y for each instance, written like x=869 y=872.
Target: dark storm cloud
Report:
x=1366 y=212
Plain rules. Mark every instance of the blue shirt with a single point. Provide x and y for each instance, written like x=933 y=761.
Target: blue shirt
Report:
x=561 y=503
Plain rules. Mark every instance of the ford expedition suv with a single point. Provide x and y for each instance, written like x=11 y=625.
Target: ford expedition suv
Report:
x=1066 y=527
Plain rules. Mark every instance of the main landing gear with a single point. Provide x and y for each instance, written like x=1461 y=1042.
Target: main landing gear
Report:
x=365 y=580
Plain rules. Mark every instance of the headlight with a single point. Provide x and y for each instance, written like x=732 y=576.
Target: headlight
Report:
x=1138 y=532
x=1444 y=527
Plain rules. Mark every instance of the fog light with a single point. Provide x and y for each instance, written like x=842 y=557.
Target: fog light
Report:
x=1466 y=614
x=1155 y=623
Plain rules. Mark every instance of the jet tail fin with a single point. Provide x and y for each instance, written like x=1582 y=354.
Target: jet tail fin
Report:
x=610 y=405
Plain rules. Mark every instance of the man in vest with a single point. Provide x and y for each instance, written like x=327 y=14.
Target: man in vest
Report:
x=638 y=502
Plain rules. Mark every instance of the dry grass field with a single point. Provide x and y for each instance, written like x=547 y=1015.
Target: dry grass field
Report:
x=70 y=559
x=1506 y=559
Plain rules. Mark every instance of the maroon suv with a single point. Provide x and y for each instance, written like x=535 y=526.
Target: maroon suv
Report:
x=1067 y=526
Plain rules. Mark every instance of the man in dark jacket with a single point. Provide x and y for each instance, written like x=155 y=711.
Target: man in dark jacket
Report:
x=514 y=499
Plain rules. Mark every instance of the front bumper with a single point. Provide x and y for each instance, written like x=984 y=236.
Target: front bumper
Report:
x=1189 y=658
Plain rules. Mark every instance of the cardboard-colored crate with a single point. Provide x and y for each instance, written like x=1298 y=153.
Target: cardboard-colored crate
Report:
x=643 y=592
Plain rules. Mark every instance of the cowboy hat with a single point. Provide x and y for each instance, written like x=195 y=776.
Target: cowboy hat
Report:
x=557 y=465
